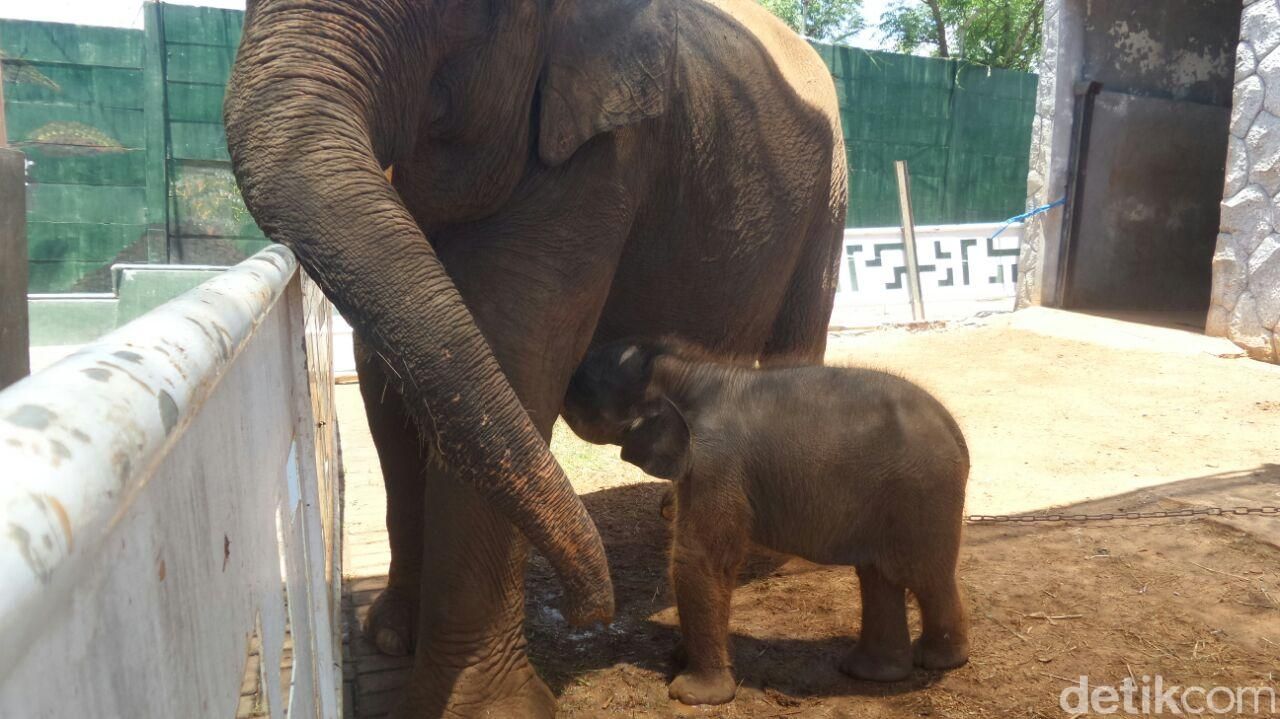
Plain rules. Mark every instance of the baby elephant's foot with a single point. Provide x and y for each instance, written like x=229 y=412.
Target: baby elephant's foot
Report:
x=866 y=666
x=946 y=653
x=715 y=687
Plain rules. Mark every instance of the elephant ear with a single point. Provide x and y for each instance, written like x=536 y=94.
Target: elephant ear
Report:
x=610 y=64
x=659 y=442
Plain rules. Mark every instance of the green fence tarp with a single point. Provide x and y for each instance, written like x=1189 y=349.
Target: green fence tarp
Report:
x=123 y=133
x=128 y=159
x=965 y=131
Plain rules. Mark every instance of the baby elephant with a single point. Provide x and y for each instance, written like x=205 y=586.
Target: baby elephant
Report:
x=839 y=466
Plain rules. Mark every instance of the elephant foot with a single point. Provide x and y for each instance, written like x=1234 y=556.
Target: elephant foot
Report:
x=501 y=686
x=867 y=666
x=711 y=687
x=391 y=621
x=537 y=702
x=940 y=654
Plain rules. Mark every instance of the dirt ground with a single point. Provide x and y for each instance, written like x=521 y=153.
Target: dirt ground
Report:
x=1191 y=601
x=1059 y=410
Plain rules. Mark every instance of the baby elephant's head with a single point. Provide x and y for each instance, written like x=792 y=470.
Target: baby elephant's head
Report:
x=608 y=389
x=612 y=400
x=658 y=441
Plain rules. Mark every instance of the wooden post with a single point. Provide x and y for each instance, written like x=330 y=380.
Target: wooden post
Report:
x=15 y=337
x=156 y=134
x=4 y=128
x=15 y=362
x=909 y=240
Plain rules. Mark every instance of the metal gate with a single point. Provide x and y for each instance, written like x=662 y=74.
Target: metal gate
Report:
x=170 y=511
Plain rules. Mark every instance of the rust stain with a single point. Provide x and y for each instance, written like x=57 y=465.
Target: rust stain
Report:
x=177 y=366
x=22 y=538
x=160 y=569
x=128 y=374
x=63 y=518
x=213 y=339
x=60 y=452
x=200 y=324
x=122 y=465
x=224 y=339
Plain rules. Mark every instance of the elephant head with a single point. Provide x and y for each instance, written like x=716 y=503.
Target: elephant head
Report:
x=326 y=94
x=658 y=441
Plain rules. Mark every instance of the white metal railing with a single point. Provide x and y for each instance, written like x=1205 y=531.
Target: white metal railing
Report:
x=169 y=512
x=962 y=269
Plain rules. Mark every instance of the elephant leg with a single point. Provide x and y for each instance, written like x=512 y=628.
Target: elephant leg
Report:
x=944 y=642
x=799 y=334
x=883 y=651
x=403 y=457
x=709 y=545
x=536 y=284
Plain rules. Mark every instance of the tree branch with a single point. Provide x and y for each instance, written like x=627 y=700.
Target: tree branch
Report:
x=940 y=27
x=1036 y=11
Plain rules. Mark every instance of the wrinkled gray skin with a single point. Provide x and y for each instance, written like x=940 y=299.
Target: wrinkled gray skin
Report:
x=836 y=465
x=564 y=172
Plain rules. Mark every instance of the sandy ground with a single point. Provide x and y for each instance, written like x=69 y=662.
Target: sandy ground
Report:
x=1059 y=410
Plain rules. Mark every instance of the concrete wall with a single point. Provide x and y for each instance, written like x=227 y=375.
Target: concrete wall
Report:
x=1246 y=264
x=1144 y=222
x=1171 y=49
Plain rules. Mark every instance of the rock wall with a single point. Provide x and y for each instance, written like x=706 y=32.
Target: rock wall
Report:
x=1246 y=263
x=1060 y=64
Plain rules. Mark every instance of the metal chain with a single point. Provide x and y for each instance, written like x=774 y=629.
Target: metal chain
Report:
x=1206 y=511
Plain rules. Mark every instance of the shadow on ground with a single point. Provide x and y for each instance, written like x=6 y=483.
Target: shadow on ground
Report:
x=1189 y=598
x=1196 y=600
x=645 y=632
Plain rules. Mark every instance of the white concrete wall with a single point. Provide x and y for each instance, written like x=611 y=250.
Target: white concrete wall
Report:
x=964 y=269
x=170 y=499
x=1246 y=263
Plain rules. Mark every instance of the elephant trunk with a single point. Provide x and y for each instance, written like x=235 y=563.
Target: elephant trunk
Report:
x=302 y=114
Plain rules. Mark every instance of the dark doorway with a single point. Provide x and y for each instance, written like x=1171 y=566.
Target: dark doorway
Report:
x=1149 y=158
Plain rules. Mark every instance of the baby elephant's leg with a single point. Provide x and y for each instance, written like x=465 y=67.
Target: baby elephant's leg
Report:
x=944 y=643
x=704 y=564
x=667 y=505
x=883 y=651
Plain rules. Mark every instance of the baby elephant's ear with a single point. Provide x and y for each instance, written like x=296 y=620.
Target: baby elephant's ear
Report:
x=659 y=442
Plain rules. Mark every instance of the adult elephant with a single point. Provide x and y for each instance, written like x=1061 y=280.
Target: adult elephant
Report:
x=564 y=172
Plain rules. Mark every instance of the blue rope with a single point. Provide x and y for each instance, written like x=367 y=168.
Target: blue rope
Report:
x=1026 y=216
